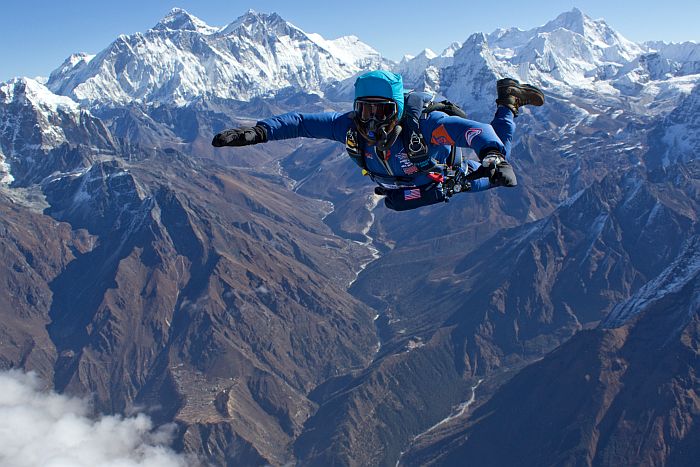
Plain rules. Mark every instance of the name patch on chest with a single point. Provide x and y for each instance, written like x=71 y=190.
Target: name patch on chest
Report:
x=406 y=164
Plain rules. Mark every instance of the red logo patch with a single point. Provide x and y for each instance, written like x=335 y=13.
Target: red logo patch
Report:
x=440 y=136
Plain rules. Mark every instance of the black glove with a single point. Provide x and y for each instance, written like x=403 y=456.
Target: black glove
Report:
x=504 y=175
x=240 y=137
x=496 y=168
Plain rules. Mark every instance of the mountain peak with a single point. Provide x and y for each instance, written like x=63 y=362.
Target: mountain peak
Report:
x=179 y=19
x=597 y=31
x=252 y=17
x=258 y=16
x=574 y=20
x=256 y=55
x=451 y=49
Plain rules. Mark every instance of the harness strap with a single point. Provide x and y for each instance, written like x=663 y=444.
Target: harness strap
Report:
x=413 y=140
x=352 y=146
x=447 y=107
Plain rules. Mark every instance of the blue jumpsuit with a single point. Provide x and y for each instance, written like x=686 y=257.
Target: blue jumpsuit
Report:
x=393 y=170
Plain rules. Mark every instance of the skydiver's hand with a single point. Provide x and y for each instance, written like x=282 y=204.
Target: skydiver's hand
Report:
x=504 y=175
x=240 y=137
x=495 y=167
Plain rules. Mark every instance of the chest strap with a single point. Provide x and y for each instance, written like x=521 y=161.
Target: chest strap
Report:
x=354 y=150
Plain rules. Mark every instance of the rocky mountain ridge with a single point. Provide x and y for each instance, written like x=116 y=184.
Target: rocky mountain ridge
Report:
x=585 y=402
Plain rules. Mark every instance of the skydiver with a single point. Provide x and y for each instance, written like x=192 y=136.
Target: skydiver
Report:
x=404 y=147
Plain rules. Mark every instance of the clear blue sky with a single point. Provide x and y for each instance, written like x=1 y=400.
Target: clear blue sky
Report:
x=36 y=36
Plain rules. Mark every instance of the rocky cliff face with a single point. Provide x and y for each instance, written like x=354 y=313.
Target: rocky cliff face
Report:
x=623 y=393
x=218 y=305
x=35 y=249
x=43 y=133
x=475 y=317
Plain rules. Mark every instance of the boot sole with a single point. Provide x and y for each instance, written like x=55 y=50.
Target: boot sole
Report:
x=526 y=92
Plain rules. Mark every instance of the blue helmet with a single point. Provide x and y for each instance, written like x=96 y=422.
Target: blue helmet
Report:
x=381 y=83
x=378 y=107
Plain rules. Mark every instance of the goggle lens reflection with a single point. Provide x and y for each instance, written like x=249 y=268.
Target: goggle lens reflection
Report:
x=380 y=111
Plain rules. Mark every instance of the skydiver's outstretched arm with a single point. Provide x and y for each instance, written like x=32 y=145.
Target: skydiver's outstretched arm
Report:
x=326 y=125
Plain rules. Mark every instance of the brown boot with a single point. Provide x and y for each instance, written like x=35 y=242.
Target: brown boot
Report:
x=514 y=95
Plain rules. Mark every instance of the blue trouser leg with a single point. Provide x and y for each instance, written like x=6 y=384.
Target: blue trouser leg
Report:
x=503 y=124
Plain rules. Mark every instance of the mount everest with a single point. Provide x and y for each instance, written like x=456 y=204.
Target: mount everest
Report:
x=181 y=59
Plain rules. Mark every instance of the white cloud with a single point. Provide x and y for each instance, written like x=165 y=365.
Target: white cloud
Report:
x=40 y=428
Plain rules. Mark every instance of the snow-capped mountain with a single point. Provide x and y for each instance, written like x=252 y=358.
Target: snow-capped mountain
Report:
x=675 y=138
x=572 y=49
x=472 y=76
x=181 y=59
x=423 y=71
x=686 y=54
x=572 y=55
x=41 y=132
x=30 y=94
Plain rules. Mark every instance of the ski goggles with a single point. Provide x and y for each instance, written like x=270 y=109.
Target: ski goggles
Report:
x=378 y=109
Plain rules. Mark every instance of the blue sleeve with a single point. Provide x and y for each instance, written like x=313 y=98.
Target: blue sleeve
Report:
x=480 y=184
x=440 y=129
x=327 y=125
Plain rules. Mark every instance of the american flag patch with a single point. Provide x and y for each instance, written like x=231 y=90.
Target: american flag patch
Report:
x=411 y=194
